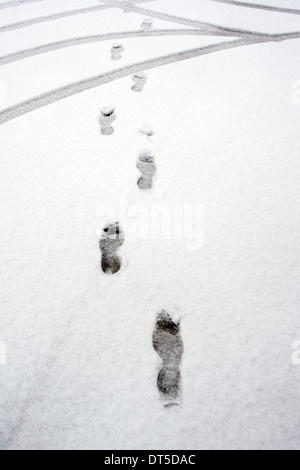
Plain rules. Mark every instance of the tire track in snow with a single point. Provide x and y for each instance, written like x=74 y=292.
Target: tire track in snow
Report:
x=197 y=24
x=78 y=87
x=56 y=16
x=260 y=7
x=285 y=36
x=99 y=38
x=72 y=42
x=123 y=4
x=17 y=3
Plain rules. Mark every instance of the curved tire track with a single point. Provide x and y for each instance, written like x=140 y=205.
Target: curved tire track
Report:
x=99 y=38
x=78 y=87
x=17 y=3
x=56 y=16
x=198 y=24
x=72 y=42
x=259 y=7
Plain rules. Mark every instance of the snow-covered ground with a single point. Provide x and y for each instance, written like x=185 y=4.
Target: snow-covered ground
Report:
x=80 y=367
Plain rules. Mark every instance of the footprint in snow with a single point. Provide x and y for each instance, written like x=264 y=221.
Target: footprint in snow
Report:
x=140 y=80
x=146 y=130
x=107 y=117
x=116 y=51
x=147 y=24
x=146 y=165
x=111 y=241
x=168 y=344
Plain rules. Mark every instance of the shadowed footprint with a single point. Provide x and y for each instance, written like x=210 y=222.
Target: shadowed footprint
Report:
x=107 y=117
x=140 y=80
x=111 y=241
x=168 y=344
x=116 y=51
x=146 y=165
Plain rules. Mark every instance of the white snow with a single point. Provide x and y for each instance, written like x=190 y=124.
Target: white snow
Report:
x=276 y=3
x=80 y=367
x=63 y=66
x=229 y=15
x=98 y=22
x=42 y=8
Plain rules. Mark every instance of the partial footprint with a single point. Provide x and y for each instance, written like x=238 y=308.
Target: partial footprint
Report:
x=168 y=344
x=107 y=117
x=140 y=80
x=146 y=130
x=146 y=165
x=111 y=241
x=147 y=24
x=116 y=51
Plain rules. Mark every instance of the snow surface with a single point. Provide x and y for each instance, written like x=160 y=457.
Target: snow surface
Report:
x=277 y=3
x=228 y=15
x=42 y=8
x=81 y=370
